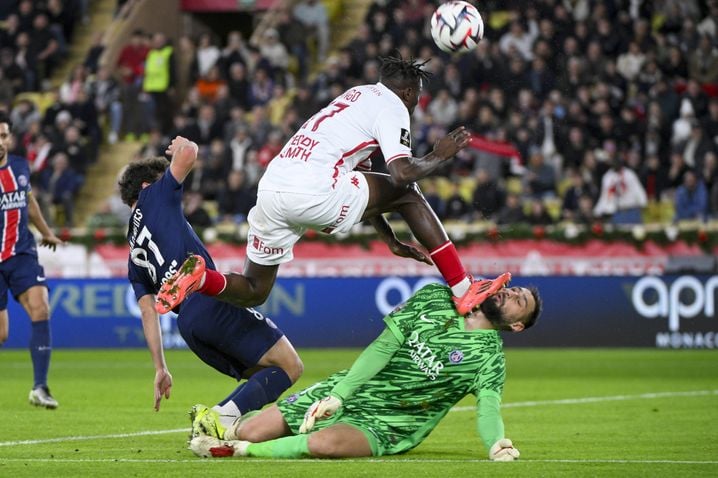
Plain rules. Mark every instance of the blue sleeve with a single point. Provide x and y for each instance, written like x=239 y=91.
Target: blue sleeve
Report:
x=139 y=285
x=165 y=191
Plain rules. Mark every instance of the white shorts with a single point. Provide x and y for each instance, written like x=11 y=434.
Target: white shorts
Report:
x=280 y=218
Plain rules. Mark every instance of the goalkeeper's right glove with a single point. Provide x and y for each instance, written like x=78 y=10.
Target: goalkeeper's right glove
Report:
x=324 y=408
x=503 y=450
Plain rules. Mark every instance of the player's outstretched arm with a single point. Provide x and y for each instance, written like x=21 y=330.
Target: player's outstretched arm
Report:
x=153 y=336
x=490 y=427
x=184 y=155
x=49 y=239
x=408 y=169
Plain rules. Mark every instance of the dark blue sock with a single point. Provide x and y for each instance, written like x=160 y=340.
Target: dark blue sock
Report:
x=40 y=350
x=262 y=388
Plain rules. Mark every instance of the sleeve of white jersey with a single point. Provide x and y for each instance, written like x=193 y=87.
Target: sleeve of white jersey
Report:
x=393 y=133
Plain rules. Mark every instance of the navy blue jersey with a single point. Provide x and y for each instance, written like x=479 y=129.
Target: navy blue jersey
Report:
x=14 y=195
x=160 y=237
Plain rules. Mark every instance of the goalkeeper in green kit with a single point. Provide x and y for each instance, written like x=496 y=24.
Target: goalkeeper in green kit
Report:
x=427 y=359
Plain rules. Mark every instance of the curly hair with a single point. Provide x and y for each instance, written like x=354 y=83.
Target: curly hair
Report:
x=143 y=171
x=398 y=73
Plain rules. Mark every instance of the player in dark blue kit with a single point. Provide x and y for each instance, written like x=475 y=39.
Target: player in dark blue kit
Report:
x=20 y=271
x=238 y=342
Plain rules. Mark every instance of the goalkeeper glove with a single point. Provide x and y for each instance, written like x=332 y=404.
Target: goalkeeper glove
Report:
x=324 y=408
x=503 y=450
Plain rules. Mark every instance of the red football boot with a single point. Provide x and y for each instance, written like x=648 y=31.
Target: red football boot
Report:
x=185 y=281
x=479 y=291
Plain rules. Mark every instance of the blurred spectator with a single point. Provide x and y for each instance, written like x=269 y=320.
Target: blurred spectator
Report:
x=540 y=178
x=274 y=50
x=622 y=196
x=456 y=207
x=538 y=216
x=703 y=63
x=512 y=212
x=106 y=92
x=313 y=14
x=236 y=199
x=131 y=66
x=577 y=188
x=60 y=183
x=691 y=198
x=194 y=210
x=208 y=85
x=92 y=58
x=487 y=197
x=206 y=55
x=585 y=215
x=158 y=81
x=654 y=178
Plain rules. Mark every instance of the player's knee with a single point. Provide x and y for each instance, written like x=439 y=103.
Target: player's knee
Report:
x=294 y=369
x=38 y=312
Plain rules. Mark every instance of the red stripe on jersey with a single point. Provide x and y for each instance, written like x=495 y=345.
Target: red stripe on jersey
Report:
x=359 y=147
x=354 y=150
x=396 y=156
x=12 y=217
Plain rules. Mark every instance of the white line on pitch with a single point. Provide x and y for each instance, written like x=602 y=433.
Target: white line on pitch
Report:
x=353 y=460
x=92 y=437
x=565 y=401
x=613 y=398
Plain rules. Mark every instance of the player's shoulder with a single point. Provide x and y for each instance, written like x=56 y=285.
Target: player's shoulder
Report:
x=17 y=161
x=434 y=292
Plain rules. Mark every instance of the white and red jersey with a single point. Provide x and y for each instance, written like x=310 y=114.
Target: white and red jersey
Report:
x=339 y=139
x=14 y=191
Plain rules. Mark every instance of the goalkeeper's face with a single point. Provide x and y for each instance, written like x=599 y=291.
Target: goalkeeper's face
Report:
x=509 y=308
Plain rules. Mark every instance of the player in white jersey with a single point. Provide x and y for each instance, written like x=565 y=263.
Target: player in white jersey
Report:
x=321 y=180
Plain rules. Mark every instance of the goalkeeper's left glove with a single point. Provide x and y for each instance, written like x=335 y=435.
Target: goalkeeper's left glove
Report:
x=503 y=450
x=324 y=408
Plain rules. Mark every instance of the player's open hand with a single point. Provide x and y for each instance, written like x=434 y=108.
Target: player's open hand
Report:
x=400 y=249
x=51 y=241
x=324 y=408
x=163 y=386
x=452 y=143
x=503 y=450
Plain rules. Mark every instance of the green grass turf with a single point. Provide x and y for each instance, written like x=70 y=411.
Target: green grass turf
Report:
x=110 y=393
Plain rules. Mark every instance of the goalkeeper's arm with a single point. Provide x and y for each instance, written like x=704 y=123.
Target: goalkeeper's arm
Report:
x=371 y=361
x=490 y=427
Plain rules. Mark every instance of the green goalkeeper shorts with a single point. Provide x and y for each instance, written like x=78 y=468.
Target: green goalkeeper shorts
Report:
x=382 y=438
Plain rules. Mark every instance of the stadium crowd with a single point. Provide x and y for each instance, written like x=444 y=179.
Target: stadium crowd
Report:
x=582 y=111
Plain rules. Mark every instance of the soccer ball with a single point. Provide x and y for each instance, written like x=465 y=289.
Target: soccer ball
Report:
x=456 y=27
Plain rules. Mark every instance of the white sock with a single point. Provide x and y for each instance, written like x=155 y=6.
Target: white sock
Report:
x=228 y=413
x=460 y=288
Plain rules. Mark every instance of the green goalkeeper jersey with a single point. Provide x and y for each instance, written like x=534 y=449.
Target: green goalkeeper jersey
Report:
x=437 y=364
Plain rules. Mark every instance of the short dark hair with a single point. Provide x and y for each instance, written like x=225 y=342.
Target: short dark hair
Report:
x=537 y=309
x=397 y=73
x=143 y=171
x=5 y=118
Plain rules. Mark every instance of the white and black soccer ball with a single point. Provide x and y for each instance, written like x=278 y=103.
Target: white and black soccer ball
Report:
x=457 y=27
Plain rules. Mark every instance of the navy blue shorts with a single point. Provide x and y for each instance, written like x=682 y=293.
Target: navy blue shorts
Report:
x=18 y=274
x=230 y=339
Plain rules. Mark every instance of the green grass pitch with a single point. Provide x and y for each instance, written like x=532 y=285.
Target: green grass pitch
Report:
x=571 y=413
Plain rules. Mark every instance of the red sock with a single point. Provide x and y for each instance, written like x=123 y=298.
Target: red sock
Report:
x=214 y=283
x=447 y=261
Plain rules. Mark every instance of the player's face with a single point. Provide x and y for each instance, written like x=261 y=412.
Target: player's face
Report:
x=5 y=138
x=509 y=308
x=413 y=96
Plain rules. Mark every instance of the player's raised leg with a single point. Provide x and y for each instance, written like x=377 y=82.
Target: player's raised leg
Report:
x=386 y=196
